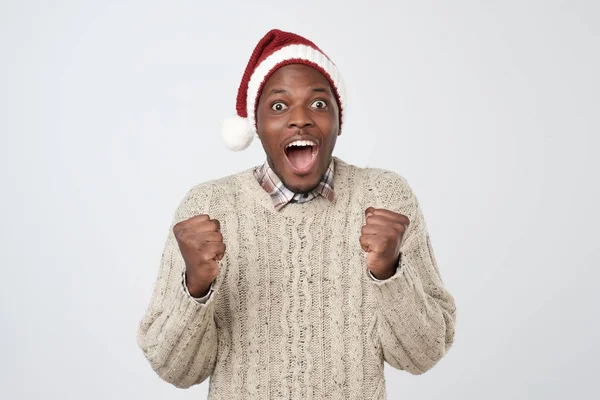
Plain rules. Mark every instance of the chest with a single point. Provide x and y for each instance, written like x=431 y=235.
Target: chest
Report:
x=309 y=265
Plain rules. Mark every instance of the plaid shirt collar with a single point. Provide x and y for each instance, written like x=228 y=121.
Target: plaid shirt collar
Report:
x=281 y=195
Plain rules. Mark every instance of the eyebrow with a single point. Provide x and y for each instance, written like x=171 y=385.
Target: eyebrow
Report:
x=283 y=91
x=278 y=91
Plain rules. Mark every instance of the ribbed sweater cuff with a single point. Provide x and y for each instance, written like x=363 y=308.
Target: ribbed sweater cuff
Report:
x=183 y=324
x=397 y=294
x=188 y=311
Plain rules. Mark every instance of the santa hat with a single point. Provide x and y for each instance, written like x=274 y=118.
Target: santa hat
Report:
x=275 y=50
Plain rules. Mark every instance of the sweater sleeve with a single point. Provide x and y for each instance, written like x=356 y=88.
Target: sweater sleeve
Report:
x=177 y=334
x=417 y=314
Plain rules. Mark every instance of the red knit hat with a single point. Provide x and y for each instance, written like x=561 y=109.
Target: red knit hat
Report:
x=275 y=50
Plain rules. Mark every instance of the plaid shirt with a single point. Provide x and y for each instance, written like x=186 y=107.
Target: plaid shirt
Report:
x=282 y=195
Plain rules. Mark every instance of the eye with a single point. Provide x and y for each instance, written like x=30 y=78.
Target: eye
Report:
x=319 y=104
x=279 y=106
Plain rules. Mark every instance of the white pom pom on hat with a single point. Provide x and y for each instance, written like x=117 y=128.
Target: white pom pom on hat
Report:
x=237 y=133
x=275 y=50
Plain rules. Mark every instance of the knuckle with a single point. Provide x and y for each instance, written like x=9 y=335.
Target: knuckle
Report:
x=179 y=227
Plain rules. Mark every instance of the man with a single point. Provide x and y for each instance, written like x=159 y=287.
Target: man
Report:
x=299 y=278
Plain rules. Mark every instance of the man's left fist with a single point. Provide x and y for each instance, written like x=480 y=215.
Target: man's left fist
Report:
x=381 y=237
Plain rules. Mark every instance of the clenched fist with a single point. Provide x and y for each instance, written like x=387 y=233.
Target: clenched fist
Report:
x=381 y=238
x=201 y=244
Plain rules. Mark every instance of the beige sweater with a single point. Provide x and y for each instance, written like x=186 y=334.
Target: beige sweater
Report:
x=294 y=314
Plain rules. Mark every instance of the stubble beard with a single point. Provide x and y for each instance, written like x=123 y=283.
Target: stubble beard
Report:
x=295 y=189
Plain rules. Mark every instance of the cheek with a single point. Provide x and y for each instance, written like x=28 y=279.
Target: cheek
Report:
x=332 y=142
x=266 y=122
x=268 y=132
x=270 y=125
x=328 y=124
x=330 y=130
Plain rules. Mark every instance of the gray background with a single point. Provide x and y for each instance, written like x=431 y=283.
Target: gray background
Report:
x=111 y=110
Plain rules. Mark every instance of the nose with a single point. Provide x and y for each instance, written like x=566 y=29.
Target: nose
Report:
x=300 y=118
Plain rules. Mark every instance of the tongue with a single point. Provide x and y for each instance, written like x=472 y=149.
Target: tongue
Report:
x=300 y=157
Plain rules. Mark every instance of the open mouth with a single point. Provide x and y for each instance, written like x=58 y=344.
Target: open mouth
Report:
x=301 y=154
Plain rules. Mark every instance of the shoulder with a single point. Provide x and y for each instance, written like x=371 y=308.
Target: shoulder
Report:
x=379 y=180
x=205 y=195
x=384 y=178
x=213 y=185
x=381 y=188
x=390 y=187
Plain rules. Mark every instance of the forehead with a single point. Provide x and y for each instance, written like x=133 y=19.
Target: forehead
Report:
x=296 y=75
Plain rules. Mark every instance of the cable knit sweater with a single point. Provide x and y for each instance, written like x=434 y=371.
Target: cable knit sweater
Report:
x=294 y=314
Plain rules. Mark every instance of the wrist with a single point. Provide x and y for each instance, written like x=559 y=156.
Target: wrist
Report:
x=386 y=273
x=382 y=276
x=197 y=289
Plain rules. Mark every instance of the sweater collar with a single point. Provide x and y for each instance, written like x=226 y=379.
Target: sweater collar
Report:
x=281 y=195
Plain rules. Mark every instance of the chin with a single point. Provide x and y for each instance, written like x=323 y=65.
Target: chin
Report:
x=296 y=182
x=306 y=187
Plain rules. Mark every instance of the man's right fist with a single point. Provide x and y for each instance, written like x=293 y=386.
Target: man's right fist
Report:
x=201 y=245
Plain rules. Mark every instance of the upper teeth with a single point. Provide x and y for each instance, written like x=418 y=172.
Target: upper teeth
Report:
x=300 y=143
